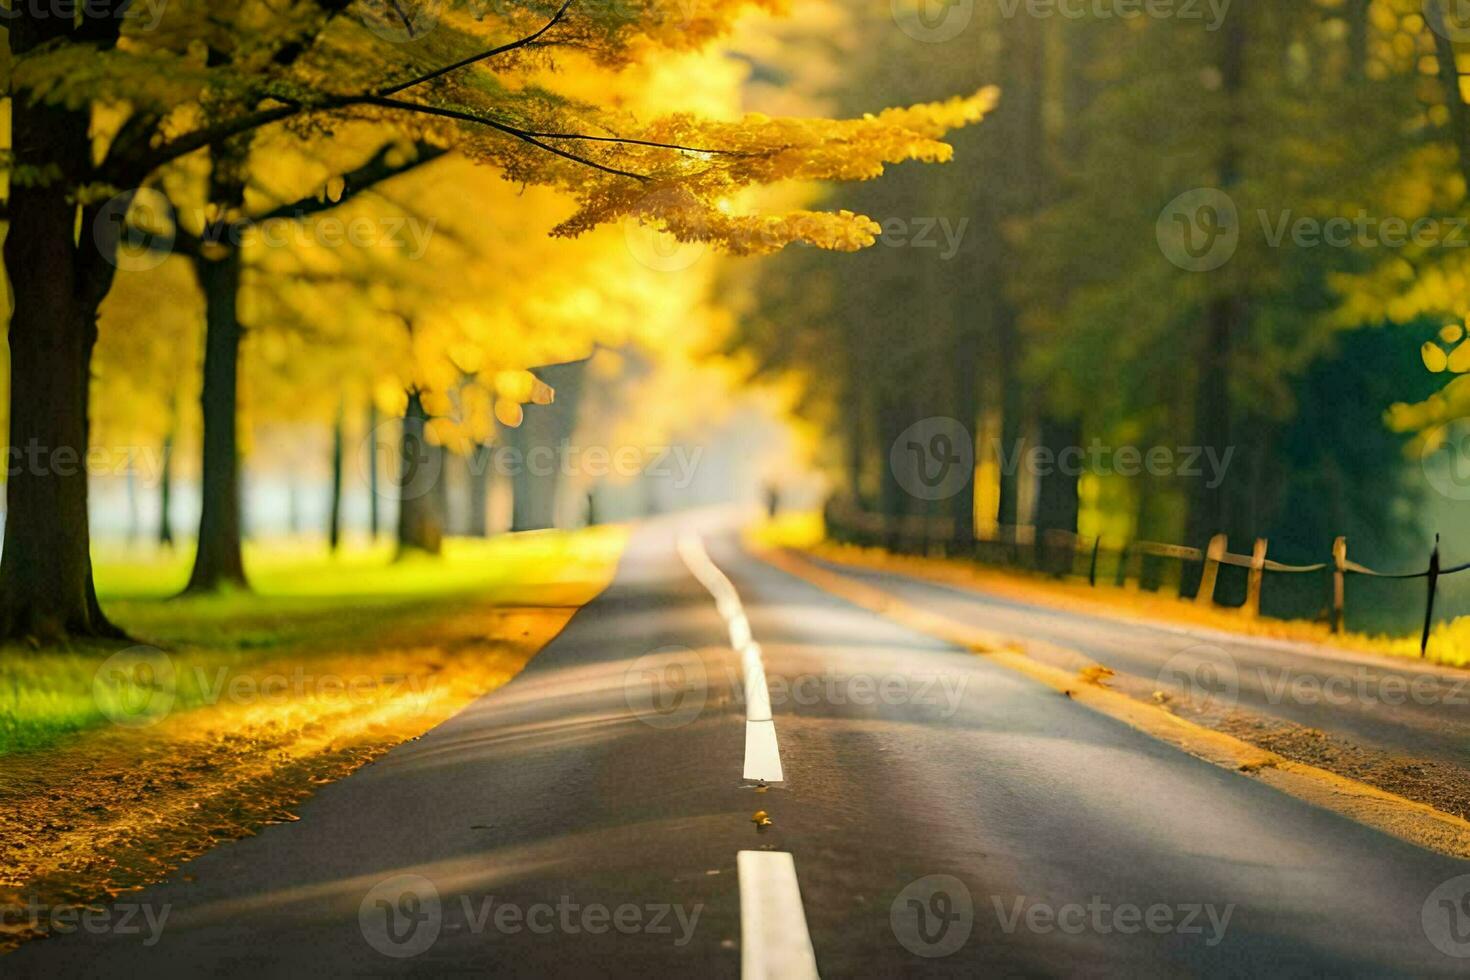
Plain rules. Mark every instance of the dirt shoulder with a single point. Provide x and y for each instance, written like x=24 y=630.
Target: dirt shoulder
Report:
x=1436 y=784
x=209 y=744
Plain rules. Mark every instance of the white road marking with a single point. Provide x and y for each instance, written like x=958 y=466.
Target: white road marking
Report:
x=774 y=941
x=762 y=754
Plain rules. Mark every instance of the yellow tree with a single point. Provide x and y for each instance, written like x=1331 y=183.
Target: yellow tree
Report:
x=103 y=100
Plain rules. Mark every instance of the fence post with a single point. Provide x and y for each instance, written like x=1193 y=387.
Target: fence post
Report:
x=1253 y=581
x=1092 y=568
x=1429 y=604
x=1121 y=578
x=1339 y=583
x=1206 y=594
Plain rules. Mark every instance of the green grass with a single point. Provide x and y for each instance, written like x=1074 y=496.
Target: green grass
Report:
x=305 y=604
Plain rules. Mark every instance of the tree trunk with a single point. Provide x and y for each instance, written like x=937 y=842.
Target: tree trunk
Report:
x=166 y=492
x=1012 y=420
x=46 y=589
x=540 y=440
x=134 y=521
x=1225 y=318
x=477 y=465
x=374 y=490
x=1057 y=502
x=218 y=563
x=967 y=410
x=420 y=525
x=334 y=521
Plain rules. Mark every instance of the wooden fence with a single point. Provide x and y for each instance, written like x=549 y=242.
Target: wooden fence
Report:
x=1065 y=553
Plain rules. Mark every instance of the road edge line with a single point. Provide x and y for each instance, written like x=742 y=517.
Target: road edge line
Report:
x=1405 y=819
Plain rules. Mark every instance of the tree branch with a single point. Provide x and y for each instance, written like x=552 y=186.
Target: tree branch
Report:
x=364 y=178
x=524 y=136
x=477 y=58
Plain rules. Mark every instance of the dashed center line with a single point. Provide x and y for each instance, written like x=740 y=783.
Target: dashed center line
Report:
x=762 y=754
x=774 y=940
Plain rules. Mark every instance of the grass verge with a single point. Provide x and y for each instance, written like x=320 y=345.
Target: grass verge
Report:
x=119 y=764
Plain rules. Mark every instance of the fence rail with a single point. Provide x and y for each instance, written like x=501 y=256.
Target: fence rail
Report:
x=1058 y=551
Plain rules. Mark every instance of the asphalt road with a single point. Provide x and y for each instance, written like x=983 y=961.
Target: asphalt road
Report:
x=585 y=820
x=1406 y=708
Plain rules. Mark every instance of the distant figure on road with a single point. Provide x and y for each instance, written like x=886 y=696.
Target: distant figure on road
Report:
x=773 y=499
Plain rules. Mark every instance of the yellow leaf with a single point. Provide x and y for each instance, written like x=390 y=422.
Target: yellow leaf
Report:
x=509 y=413
x=1459 y=359
x=1435 y=359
